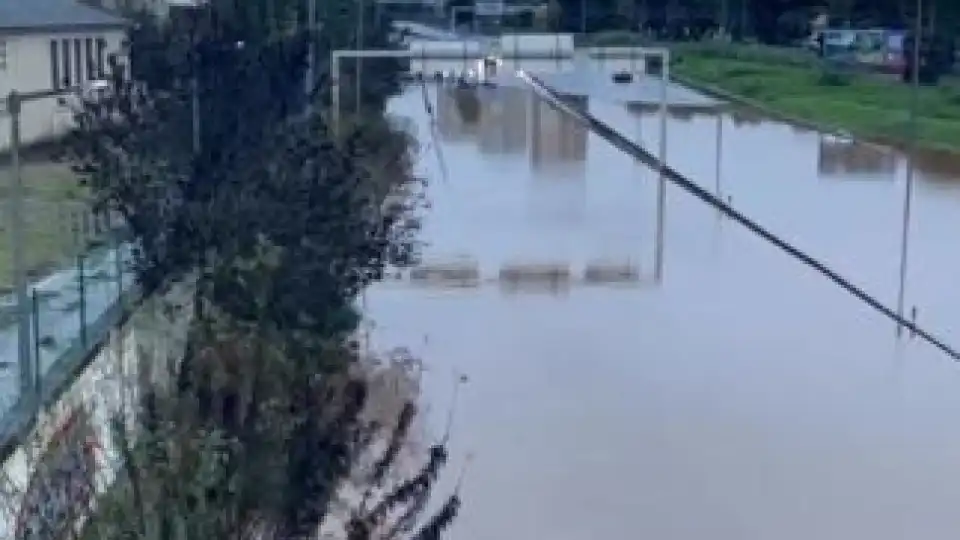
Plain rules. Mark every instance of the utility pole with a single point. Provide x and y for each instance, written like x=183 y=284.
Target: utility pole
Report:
x=311 y=47
x=908 y=188
x=583 y=17
x=743 y=19
x=357 y=81
x=195 y=112
x=724 y=18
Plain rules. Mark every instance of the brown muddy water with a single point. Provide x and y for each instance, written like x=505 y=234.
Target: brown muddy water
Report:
x=744 y=397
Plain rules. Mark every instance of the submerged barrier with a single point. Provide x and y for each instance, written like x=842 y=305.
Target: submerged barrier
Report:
x=468 y=274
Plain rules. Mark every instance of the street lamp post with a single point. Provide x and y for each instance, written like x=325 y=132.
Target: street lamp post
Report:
x=359 y=66
x=14 y=107
x=311 y=46
x=908 y=188
x=25 y=360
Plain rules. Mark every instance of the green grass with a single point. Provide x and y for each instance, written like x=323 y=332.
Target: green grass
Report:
x=56 y=217
x=867 y=105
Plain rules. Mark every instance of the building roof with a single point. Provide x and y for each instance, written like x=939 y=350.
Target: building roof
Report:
x=52 y=15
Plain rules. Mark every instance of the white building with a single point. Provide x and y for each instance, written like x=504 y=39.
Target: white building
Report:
x=51 y=44
x=160 y=8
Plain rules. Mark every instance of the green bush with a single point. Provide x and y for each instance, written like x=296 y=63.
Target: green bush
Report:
x=833 y=78
x=740 y=71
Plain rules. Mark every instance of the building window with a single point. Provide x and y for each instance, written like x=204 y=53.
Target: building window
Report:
x=55 y=64
x=65 y=53
x=91 y=66
x=101 y=57
x=78 y=61
x=3 y=55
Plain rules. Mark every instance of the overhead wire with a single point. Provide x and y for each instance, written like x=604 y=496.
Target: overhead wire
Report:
x=646 y=158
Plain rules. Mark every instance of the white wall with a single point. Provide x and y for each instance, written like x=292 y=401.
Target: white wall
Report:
x=108 y=386
x=29 y=69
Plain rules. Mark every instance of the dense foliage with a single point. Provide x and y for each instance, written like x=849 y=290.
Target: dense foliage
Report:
x=231 y=179
x=773 y=21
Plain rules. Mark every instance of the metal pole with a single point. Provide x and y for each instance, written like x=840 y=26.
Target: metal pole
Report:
x=908 y=189
x=743 y=19
x=719 y=157
x=17 y=240
x=35 y=307
x=82 y=291
x=335 y=98
x=311 y=46
x=195 y=112
x=662 y=182
x=359 y=60
x=583 y=17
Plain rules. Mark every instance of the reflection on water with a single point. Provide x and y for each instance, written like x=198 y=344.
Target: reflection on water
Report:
x=835 y=158
x=558 y=195
x=556 y=136
x=458 y=113
x=511 y=120
x=942 y=168
x=844 y=159
x=743 y=398
x=504 y=121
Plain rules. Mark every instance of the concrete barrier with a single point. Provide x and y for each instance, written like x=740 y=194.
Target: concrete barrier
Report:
x=536 y=273
x=612 y=273
x=460 y=273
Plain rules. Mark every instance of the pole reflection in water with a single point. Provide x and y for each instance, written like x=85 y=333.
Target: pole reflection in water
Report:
x=503 y=119
x=458 y=113
x=555 y=137
x=851 y=160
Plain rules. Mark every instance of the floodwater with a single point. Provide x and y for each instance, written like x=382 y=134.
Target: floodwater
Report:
x=743 y=397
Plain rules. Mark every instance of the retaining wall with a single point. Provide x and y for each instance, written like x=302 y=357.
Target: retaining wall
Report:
x=67 y=456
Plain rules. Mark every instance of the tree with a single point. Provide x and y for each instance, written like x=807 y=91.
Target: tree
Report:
x=554 y=14
x=231 y=180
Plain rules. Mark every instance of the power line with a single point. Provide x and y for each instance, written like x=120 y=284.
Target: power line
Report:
x=637 y=152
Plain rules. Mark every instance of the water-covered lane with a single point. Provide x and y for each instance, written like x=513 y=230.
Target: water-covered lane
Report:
x=841 y=202
x=743 y=398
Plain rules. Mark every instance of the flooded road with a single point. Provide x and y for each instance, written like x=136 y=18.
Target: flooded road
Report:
x=744 y=397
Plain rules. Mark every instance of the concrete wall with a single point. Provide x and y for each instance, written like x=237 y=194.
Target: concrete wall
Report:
x=30 y=68
x=73 y=437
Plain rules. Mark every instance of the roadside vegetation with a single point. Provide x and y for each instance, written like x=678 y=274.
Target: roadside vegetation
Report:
x=259 y=232
x=58 y=223
x=795 y=85
x=867 y=105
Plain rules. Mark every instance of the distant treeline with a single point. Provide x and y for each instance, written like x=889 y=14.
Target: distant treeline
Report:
x=769 y=21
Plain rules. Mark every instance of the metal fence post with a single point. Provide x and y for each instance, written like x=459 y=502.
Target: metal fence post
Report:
x=36 y=343
x=83 y=301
